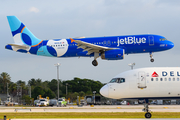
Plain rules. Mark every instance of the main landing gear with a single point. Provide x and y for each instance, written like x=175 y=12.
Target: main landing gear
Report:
x=94 y=62
x=151 y=56
x=146 y=109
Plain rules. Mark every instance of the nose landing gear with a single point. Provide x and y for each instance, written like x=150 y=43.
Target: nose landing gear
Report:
x=146 y=109
x=151 y=56
x=148 y=115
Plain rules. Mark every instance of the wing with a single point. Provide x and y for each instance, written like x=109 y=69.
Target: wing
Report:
x=90 y=47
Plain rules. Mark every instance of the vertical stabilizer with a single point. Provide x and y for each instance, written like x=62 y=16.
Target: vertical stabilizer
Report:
x=20 y=33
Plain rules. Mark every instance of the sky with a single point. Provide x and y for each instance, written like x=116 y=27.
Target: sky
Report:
x=48 y=19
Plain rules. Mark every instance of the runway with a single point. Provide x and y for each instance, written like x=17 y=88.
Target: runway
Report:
x=96 y=109
x=99 y=119
x=102 y=108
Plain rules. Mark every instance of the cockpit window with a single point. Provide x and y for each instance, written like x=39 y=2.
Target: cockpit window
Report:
x=117 y=80
x=114 y=80
x=162 y=39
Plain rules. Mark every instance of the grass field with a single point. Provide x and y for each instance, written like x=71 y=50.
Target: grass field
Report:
x=90 y=115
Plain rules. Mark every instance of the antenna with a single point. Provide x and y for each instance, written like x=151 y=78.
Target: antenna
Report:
x=131 y=65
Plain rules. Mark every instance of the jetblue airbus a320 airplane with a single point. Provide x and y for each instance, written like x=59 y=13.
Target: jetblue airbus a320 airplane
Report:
x=108 y=48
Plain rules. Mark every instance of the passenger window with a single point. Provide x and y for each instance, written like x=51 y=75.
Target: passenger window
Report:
x=169 y=79
x=156 y=79
x=165 y=79
x=173 y=79
x=161 y=79
x=151 y=79
x=177 y=79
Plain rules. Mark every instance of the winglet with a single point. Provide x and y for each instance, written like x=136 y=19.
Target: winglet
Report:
x=72 y=40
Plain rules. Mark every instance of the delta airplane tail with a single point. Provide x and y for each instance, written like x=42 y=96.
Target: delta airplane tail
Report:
x=21 y=34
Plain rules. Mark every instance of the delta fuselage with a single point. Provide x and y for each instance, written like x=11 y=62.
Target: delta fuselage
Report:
x=145 y=83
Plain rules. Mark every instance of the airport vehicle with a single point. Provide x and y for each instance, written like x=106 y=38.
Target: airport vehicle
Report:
x=91 y=101
x=145 y=84
x=43 y=102
x=108 y=48
x=62 y=102
x=36 y=102
x=8 y=102
x=53 y=102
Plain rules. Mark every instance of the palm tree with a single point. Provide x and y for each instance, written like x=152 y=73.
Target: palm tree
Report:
x=4 y=79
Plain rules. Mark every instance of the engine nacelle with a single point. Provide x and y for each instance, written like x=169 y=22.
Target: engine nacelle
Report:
x=113 y=54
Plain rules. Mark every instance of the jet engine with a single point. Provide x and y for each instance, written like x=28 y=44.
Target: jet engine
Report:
x=113 y=54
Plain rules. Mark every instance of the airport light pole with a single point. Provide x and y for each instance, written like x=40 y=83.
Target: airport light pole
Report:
x=94 y=96
x=66 y=90
x=19 y=93
x=29 y=90
x=7 y=90
x=57 y=65
x=131 y=65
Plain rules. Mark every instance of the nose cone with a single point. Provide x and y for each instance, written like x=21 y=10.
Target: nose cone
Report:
x=104 y=91
x=170 y=44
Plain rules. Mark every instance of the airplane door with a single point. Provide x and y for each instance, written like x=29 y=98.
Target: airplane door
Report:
x=141 y=80
x=151 y=40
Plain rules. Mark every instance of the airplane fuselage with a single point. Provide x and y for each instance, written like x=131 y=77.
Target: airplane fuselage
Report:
x=131 y=44
x=145 y=83
x=108 y=48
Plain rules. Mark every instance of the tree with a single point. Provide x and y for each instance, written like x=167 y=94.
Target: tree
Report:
x=21 y=83
x=73 y=96
x=81 y=94
x=4 y=79
x=53 y=85
x=37 y=91
x=26 y=99
x=49 y=93
x=13 y=88
x=32 y=82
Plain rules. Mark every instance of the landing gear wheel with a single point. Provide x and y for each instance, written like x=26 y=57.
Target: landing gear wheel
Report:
x=148 y=115
x=94 y=62
x=152 y=60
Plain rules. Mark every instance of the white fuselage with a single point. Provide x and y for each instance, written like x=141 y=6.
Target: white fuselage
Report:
x=150 y=83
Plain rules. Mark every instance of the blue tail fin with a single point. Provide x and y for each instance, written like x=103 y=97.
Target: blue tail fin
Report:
x=20 y=33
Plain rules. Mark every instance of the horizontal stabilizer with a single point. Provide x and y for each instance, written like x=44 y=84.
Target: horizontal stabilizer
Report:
x=19 y=45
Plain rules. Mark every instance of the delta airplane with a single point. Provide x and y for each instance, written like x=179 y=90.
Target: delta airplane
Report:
x=145 y=84
x=108 y=48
